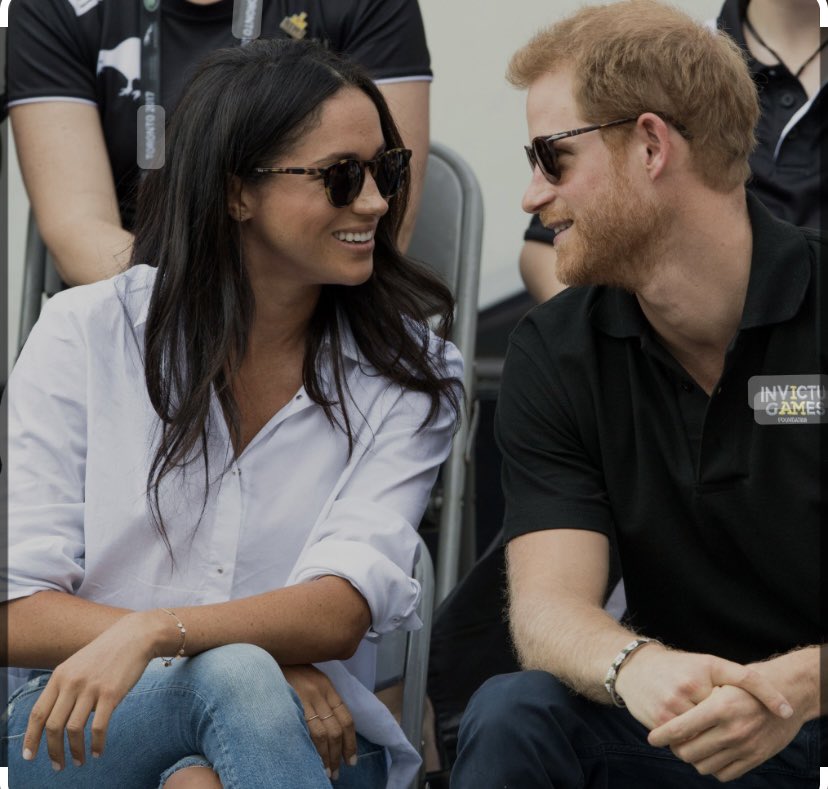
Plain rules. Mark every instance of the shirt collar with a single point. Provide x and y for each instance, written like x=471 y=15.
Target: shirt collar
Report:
x=780 y=273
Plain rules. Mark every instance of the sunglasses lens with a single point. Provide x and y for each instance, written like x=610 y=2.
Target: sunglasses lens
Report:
x=546 y=158
x=390 y=171
x=344 y=182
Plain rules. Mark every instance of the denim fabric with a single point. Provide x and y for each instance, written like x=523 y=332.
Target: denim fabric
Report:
x=231 y=706
x=528 y=730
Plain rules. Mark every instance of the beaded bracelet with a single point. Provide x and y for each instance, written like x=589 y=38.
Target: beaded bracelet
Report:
x=167 y=661
x=620 y=658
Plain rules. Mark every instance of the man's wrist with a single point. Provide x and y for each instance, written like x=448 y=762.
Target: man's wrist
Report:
x=634 y=664
x=797 y=676
x=618 y=663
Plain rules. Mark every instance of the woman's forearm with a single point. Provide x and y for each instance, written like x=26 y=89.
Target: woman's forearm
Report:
x=47 y=627
x=311 y=622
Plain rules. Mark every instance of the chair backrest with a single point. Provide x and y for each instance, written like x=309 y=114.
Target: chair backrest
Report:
x=448 y=237
x=40 y=280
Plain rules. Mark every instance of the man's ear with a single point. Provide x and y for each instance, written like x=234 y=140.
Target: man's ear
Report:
x=655 y=143
x=238 y=199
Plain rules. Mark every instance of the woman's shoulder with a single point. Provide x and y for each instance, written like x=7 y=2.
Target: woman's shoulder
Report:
x=101 y=306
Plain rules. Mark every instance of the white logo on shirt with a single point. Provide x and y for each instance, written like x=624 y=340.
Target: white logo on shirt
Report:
x=125 y=58
x=82 y=6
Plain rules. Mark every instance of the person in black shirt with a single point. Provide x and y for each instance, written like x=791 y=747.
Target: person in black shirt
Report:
x=673 y=400
x=75 y=87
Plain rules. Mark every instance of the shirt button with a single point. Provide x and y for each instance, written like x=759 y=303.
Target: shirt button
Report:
x=220 y=570
x=772 y=72
x=687 y=386
x=787 y=100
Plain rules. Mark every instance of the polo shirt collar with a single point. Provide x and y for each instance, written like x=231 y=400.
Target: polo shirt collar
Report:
x=779 y=276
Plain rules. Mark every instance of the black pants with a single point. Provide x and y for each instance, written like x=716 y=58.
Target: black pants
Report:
x=528 y=730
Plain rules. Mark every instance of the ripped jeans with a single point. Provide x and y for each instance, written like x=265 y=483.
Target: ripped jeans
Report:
x=228 y=708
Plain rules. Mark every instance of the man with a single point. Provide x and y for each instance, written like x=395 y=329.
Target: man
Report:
x=782 y=42
x=642 y=405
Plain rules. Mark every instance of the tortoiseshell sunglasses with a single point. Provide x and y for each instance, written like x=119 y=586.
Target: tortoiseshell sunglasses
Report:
x=344 y=179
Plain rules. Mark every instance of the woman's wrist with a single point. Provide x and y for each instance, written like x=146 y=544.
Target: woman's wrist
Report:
x=158 y=631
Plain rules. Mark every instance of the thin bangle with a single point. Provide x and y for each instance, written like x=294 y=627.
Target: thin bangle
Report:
x=167 y=661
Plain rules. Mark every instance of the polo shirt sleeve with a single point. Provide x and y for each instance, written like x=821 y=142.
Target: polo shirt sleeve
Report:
x=368 y=534
x=50 y=53
x=550 y=480
x=46 y=402
x=387 y=38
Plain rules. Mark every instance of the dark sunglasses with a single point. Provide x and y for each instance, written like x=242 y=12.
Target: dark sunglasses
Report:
x=344 y=179
x=541 y=152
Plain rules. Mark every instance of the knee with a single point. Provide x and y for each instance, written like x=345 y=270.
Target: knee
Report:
x=508 y=703
x=240 y=674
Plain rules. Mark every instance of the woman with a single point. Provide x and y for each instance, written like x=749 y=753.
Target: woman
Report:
x=223 y=458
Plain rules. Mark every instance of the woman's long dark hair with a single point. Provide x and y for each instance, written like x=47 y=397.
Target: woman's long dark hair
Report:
x=242 y=109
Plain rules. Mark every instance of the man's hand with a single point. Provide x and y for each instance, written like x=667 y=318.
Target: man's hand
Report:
x=732 y=732
x=329 y=721
x=659 y=684
x=726 y=735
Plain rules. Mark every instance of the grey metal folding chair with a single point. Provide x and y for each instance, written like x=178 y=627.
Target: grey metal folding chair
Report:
x=40 y=280
x=448 y=237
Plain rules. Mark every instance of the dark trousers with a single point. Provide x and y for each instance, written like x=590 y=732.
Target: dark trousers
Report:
x=528 y=730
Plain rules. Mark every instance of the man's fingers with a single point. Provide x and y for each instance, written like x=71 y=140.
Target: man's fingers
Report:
x=685 y=726
x=726 y=673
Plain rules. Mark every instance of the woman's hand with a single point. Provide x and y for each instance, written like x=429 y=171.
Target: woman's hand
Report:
x=330 y=723
x=94 y=679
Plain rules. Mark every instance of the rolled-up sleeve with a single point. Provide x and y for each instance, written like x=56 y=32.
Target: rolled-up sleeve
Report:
x=45 y=468
x=367 y=533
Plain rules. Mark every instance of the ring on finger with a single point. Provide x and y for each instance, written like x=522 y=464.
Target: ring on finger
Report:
x=332 y=713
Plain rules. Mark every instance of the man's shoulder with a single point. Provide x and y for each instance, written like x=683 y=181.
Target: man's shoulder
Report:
x=561 y=325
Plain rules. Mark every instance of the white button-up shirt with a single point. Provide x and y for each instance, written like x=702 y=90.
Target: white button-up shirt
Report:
x=292 y=507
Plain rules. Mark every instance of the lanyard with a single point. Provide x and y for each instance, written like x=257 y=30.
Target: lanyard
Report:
x=247 y=25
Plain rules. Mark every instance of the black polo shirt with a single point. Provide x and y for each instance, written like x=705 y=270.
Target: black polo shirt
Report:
x=717 y=517
x=786 y=164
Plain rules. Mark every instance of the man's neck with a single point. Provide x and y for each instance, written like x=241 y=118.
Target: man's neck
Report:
x=695 y=298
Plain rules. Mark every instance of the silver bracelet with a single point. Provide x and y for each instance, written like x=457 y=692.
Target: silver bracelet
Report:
x=620 y=658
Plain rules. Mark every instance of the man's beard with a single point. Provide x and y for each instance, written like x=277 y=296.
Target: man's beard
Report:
x=615 y=240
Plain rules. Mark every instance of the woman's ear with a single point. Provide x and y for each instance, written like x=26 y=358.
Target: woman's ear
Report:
x=237 y=199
